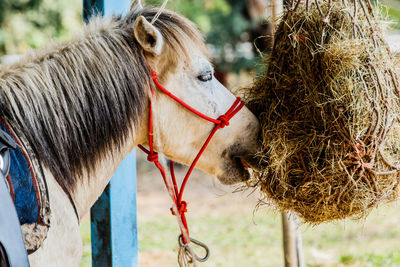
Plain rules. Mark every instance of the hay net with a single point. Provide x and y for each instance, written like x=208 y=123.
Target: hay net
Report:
x=329 y=108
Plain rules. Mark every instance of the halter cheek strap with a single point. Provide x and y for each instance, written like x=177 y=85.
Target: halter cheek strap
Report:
x=180 y=206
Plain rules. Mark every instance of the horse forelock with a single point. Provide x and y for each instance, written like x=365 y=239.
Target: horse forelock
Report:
x=76 y=101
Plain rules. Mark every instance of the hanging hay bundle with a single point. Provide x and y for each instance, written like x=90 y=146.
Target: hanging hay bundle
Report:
x=329 y=108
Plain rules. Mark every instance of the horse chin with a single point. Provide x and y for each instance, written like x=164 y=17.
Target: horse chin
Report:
x=235 y=171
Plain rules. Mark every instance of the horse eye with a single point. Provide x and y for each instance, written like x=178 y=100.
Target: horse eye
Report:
x=205 y=77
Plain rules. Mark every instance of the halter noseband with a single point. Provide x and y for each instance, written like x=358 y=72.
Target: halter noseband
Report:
x=179 y=207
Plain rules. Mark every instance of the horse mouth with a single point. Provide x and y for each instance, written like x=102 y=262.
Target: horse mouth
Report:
x=245 y=168
x=245 y=163
x=238 y=169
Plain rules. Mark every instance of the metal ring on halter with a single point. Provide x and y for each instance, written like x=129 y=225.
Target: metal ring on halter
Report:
x=198 y=243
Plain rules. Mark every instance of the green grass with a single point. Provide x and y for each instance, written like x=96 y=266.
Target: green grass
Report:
x=392 y=7
x=234 y=239
x=85 y=233
x=378 y=260
x=394 y=15
x=241 y=239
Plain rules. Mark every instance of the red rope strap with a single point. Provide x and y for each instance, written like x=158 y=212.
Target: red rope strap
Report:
x=152 y=156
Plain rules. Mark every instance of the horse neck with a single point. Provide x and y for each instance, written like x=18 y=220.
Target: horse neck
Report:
x=89 y=189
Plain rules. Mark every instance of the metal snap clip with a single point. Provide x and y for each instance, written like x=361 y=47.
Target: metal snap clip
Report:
x=198 y=243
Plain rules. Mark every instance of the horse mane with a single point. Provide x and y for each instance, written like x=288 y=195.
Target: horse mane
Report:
x=77 y=101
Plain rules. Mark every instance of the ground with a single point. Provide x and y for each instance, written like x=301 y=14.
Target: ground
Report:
x=238 y=235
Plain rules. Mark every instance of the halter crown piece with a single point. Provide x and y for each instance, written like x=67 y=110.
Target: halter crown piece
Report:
x=180 y=207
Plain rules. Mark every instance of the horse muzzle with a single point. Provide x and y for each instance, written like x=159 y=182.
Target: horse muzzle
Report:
x=237 y=166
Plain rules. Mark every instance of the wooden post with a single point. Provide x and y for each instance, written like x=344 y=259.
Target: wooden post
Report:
x=113 y=216
x=292 y=243
x=299 y=246
x=289 y=240
x=276 y=11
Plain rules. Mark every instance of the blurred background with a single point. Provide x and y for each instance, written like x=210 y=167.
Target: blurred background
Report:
x=239 y=231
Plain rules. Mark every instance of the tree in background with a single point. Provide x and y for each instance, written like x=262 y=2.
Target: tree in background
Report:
x=236 y=30
x=28 y=24
x=230 y=28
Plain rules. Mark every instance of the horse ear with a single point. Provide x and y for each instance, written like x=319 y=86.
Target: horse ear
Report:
x=135 y=4
x=148 y=36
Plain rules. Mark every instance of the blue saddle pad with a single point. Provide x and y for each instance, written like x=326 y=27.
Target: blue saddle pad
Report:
x=22 y=182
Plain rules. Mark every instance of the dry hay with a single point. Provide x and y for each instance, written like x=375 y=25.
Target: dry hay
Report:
x=329 y=108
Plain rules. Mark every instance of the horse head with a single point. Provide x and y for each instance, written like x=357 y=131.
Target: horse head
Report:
x=83 y=105
x=176 y=51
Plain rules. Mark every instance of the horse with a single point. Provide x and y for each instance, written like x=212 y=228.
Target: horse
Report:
x=82 y=105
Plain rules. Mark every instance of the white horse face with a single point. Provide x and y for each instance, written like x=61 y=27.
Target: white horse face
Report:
x=181 y=133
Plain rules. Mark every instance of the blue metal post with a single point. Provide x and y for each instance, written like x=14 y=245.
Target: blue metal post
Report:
x=113 y=216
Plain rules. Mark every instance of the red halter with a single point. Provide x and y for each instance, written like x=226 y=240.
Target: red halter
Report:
x=176 y=194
